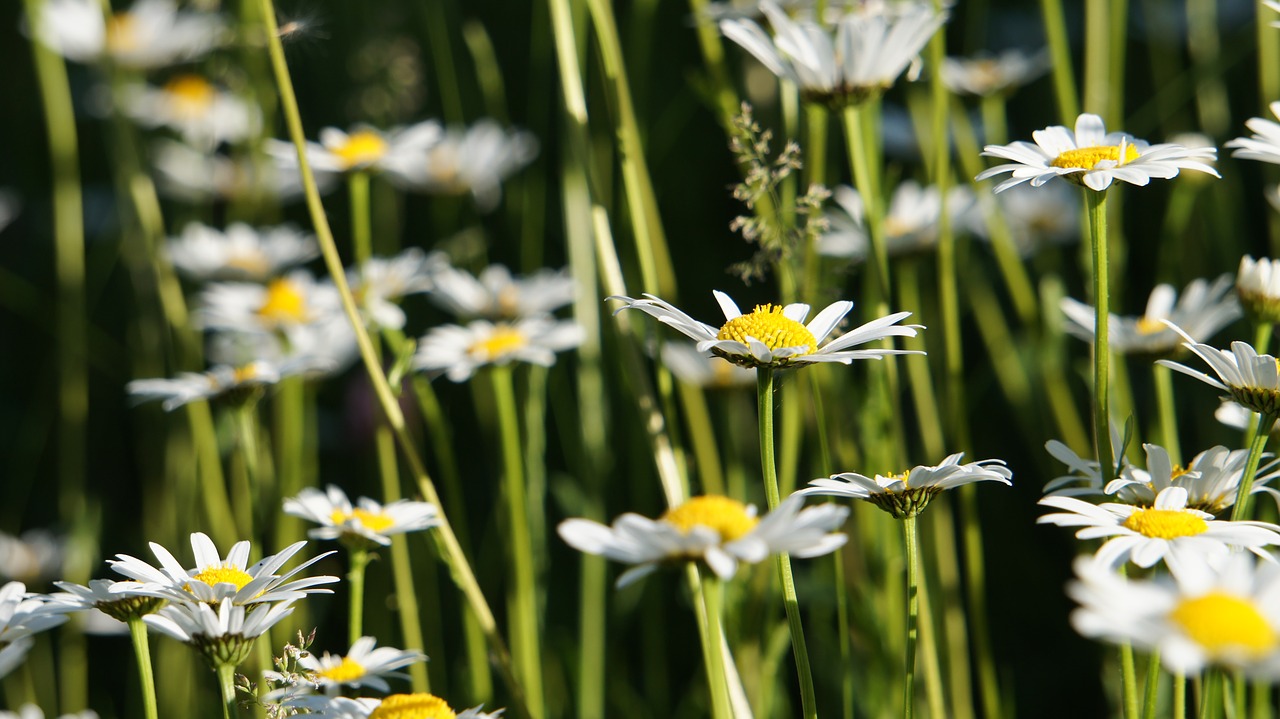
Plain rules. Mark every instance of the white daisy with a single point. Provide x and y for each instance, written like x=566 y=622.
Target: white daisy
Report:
x=362 y=666
x=368 y=520
x=36 y=556
x=214 y=579
x=1226 y=615
x=318 y=349
x=776 y=336
x=116 y=599
x=1264 y=145
x=151 y=34
x=240 y=252
x=870 y=48
x=185 y=173
x=1091 y=157
x=457 y=351
x=703 y=369
x=233 y=384
x=1258 y=286
x=985 y=74
x=363 y=149
x=1167 y=530
x=907 y=494
x=1251 y=379
x=379 y=282
x=716 y=530
x=1035 y=216
x=464 y=160
x=1202 y=310
x=495 y=294
x=1211 y=478
x=910 y=225
x=223 y=635
x=24 y=613
x=419 y=705
x=31 y=711
x=204 y=114
x=285 y=303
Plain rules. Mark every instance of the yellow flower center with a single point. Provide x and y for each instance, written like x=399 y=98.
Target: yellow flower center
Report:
x=1178 y=471
x=240 y=375
x=122 y=33
x=1221 y=622
x=726 y=516
x=767 y=324
x=501 y=342
x=192 y=95
x=1149 y=326
x=284 y=304
x=413 y=706
x=902 y=477
x=224 y=575
x=348 y=670
x=362 y=147
x=1086 y=158
x=1166 y=523
x=373 y=521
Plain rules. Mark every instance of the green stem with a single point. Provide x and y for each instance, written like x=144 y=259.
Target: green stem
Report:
x=227 y=683
x=764 y=397
x=1261 y=434
x=912 y=536
x=1179 y=696
x=355 y=577
x=361 y=217
x=1129 y=679
x=524 y=603
x=1168 y=412
x=1064 y=81
x=1262 y=337
x=142 y=653
x=866 y=180
x=1097 y=204
x=1240 y=695
x=1152 y=695
x=1261 y=689
x=713 y=646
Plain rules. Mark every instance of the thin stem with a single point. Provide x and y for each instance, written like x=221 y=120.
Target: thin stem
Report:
x=1064 y=81
x=361 y=216
x=142 y=653
x=355 y=577
x=1152 y=695
x=911 y=534
x=1097 y=203
x=1179 y=696
x=1261 y=701
x=227 y=683
x=1128 y=674
x=1167 y=411
x=867 y=181
x=1262 y=337
x=1240 y=695
x=764 y=401
x=1261 y=433
x=713 y=599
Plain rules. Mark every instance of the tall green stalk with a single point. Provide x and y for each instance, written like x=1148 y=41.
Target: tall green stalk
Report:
x=142 y=653
x=1168 y=412
x=1097 y=208
x=1261 y=434
x=359 y=558
x=1064 y=80
x=227 y=684
x=911 y=534
x=713 y=646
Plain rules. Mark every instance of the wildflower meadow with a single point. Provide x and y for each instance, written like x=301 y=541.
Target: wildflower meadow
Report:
x=577 y=358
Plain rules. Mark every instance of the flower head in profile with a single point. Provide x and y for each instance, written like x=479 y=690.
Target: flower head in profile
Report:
x=362 y=666
x=466 y=160
x=240 y=252
x=1251 y=379
x=362 y=149
x=419 y=705
x=910 y=225
x=204 y=114
x=1211 y=478
x=1093 y=158
x=1258 y=287
x=715 y=530
x=1201 y=311
x=116 y=599
x=215 y=578
x=367 y=521
x=23 y=614
x=776 y=336
x=906 y=495
x=1225 y=614
x=150 y=34
x=495 y=294
x=236 y=385
x=1167 y=531
x=856 y=60
x=985 y=74
x=223 y=632
x=457 y=351
x=1264 y=145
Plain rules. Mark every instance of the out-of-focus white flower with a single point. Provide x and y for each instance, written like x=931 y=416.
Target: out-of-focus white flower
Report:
x=464 y=160
x=188 y=174
x=494 y=294
x=31 y=711
x=704 y=369
x=236 y=384
x=457 y=351
x=1202 y=310
x=1258 y=287
x=910 y=225
x=285 y=303
x=204 y=114
x=240 y=252
x=1035 y=216
x=150 y=34
x=318 y=349
x=379 y=282
x=363 y=149
x=23 y=614
x=36 y=556
x=1236 y=416
x=367 y=521
x=985 y=74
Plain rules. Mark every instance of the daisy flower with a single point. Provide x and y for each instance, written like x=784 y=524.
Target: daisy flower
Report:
x=1092 y=158
x=1202 y=310
x=363 y=149
x=379 y=282
x=236 y=385
x=284 y=303
x=1225 y=615
x=870 y=48
x=240 y=252
x=31 y=711
x=776 y=336
x=224 y=636
x=910 y=225
x=1264 y=145
x=23 y=614
x=362 y=666
x=1251 y=379
x=205 y=115
x=906 y=495
x=465 y=160
x=1258 y=286
x=367 y=521
x=1211 y=478
x=116 y=599
x=185 y=173
x=419 y=704
x=1168 y=530
x=457 y=351
x=702 y=369
x=495 y=294
x=985 y=74
x=215 y=579
x=318 y=349
x=719 y=531
x=1035 y=216
x=151 y=34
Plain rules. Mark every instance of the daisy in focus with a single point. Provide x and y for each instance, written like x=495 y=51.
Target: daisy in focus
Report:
x=419 y=705
x=776 y=336
x=1258 y=287
x=985 y=74
x=457 y=351
x=204 y=114
x=1201 y=311
x=1253 y=380
x=906 y=495
x=362 y=666
x=495 y=294
x=466 y=160
x=1211 y=478
x=241 y=252
x=1225 y=615
x=1168 y=530
x=116 y=599
x=367 y=521
x=717 y=531
x=234 y=385
x=910 y=225
x=215 y=579
x=150 y=34
x=363 y=149
x=871 y=46
x=223 y=635
x=1093 y=158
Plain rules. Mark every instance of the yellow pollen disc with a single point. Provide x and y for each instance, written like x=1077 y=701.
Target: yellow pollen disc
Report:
x=413 y=706
x=362 y=148
x=501 y=342
x=373 y=521
x=903 y=477
x=1148 y=326
x=726 y=516
x=1166 y=523
x=767 y=324
x=1221 y=622
x=243 y=374
x=122 y=32
x=224 y=575
x=1086 y=158
x=348 y=670
x=284 y=303
x=1178 y=471
x=192 y=95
